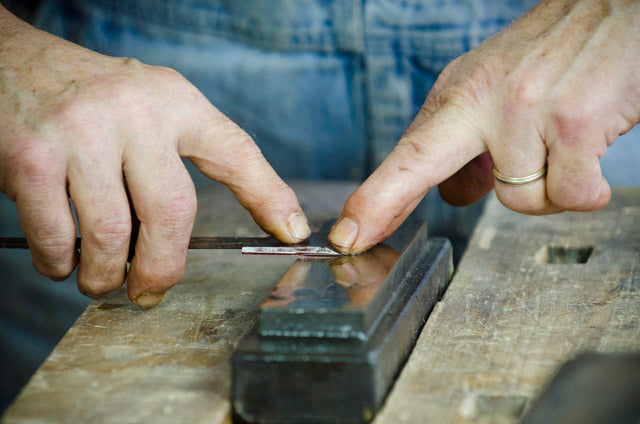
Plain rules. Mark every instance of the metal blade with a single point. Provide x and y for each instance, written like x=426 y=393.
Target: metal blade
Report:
x=316 y=245
x=290 y=250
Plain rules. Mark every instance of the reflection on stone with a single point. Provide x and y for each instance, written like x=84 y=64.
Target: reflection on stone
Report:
x=348 y=282
x=340 y=297
x=362 y=275
x=333 y=335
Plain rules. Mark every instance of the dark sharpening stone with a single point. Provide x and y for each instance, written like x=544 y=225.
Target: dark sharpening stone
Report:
x=279 y=379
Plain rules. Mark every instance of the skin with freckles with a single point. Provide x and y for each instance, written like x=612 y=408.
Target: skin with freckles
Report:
x=107 y=133
x=558 y=86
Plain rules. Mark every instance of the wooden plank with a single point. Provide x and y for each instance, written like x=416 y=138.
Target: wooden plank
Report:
x=501 y=330
x=171 y=363
x=508 y=321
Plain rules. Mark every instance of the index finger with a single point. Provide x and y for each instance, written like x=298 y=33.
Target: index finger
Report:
x=435 y=146
x=226 y=153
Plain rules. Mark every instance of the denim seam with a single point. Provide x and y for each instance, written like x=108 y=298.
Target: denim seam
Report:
x=339 y=34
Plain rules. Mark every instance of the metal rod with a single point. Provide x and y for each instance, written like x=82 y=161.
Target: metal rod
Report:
x=194 y=243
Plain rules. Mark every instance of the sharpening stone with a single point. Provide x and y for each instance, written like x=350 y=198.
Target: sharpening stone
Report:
x=334 y=333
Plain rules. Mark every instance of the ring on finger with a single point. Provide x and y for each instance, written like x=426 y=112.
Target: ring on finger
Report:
x=519 y=180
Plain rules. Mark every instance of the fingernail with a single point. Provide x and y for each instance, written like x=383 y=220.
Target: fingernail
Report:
x=298 y=227
x=344 y=233
x=147 y=300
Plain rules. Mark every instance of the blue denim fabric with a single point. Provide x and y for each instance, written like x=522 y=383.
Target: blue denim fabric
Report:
x=325 y=87
x=281 y=69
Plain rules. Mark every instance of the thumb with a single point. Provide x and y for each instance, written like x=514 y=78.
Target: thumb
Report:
x=434 y=147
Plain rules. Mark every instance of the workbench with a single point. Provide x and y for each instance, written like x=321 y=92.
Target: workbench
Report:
x=529 y=294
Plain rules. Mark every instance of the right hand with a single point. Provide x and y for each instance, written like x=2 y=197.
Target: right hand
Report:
x=556 y=87
x=109 y=133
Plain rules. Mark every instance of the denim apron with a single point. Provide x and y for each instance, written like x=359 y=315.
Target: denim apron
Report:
x=325 y=87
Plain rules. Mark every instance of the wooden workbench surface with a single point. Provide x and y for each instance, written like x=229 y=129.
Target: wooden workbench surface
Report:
x=507 y=320
x=505 y=324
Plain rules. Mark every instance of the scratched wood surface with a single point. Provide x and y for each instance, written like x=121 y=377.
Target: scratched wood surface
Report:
x=503 y=327
x=169 y=364
x=508 y=320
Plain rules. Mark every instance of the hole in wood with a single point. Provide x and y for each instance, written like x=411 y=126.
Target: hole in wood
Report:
x=565 y=255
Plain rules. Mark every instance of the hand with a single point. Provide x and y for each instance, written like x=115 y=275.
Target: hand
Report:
x=109 y=133
x=558 y=86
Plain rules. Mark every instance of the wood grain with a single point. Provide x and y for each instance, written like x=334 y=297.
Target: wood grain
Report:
x=508 y=321
x=169 y=364
x=502 y=329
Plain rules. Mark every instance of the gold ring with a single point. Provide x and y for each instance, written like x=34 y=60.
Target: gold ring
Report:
x=520 y=180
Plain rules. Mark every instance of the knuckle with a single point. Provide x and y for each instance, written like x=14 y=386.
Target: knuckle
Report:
x=450 y=71
x=524 y=91
x=571 y=121
x=111 y=233
x=53 y=244
x=576 y=191
x=242 y=157
x=160 y=75
x=77 y=112
x=130 y=97
x=521 y=204
x=55 y=271
x=448 y=75
x=522 y=200
x=52 y=255
x=84 y=113
x=572 y=203
x=35 y=165
x=179 y=208
x=96 y=288
x=177 y=83
x=132 y=65
x=98 y=276
x=169 y=73
x=244 y=145
x=574 y=197
x=475 y=85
